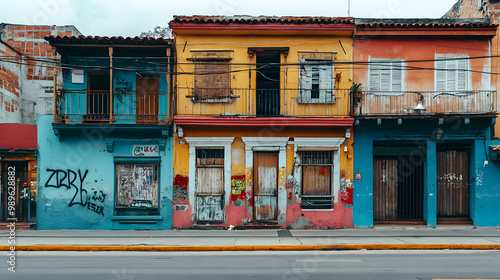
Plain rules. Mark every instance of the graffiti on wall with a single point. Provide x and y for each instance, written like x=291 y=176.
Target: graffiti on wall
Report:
x=73 y=180
x=238 y=193
x=249 y=174
x=292 y=189
x=346 y=191
x=181 y=189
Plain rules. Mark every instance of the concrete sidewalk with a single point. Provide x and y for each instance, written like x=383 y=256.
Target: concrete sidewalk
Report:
x=249 y=240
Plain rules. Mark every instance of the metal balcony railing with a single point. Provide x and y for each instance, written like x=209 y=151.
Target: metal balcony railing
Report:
x=401 y=103
x=263 y=102
x=128 y=107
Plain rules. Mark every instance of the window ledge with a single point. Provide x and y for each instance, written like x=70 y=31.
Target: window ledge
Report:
x=137 y=218
x=317 y=210
x=305 y=101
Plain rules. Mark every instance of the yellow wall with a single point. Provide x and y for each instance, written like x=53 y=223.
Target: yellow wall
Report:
x=242 y=80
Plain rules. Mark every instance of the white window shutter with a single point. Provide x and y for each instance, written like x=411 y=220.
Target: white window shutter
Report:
x=462 y=74
x=451 y=75
x=397 y=76
x=440 y=75
x=385 y=77
x=325 y=83
x=374 y=75
x=305 y=80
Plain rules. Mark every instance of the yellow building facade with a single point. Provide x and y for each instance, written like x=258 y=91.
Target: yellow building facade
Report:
x=263 y=128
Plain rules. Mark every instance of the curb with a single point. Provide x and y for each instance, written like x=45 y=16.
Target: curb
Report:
x=342 y=247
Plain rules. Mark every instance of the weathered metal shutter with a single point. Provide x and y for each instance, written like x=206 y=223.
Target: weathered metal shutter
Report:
x=210 y=185
x=453 y=176
x=266 y=185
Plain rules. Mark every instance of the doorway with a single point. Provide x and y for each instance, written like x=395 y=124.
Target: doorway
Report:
x=15 y=174
x=268 y=83
x=265 y=189
x=453 y=181
x=148 y=89
x=398 y=183
x=98 y=98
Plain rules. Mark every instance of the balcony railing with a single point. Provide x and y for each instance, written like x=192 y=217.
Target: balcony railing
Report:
x=403 y=103
x=263 y=103
x=94 y=107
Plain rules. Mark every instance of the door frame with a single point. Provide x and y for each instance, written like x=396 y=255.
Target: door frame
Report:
x=196 y=142
x=267 y=144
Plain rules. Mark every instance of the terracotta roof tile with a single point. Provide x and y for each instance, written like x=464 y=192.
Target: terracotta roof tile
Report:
x=107 y=40
x=363 y=23
x=262 y=20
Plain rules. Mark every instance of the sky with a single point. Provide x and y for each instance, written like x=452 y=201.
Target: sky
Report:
x=131 y=17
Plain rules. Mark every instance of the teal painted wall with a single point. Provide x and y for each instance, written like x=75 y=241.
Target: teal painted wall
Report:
x=70 y=203
x=484 y=186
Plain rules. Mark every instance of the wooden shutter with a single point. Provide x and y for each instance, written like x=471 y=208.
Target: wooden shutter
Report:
x=451 y=75
x=325 y=83
x=212 y=79
x=305 y=81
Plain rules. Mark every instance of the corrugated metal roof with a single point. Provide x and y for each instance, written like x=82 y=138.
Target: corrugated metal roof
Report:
x=18 y=136
x=262 y=20
x=109 y=40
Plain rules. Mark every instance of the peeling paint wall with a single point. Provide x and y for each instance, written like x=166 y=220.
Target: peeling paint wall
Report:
x=78 y=185
x=34 y=86
x=239 y=210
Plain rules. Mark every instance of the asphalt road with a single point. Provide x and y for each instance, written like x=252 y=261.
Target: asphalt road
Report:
x=372 y=265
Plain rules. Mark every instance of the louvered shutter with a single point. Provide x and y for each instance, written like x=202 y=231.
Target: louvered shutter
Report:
x=397 y=76
x=374 y=75
x=441 y=75
x=463 y=66
x=305 y=81
x=325 y=83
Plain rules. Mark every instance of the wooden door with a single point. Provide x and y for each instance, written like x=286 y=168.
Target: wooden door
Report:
x=148 y=89
x=265 y=189
x=453 y=183
x=209 y=185
x=15 y=174
x=385 y=189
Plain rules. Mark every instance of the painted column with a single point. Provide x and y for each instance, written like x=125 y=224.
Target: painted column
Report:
x=430 y=188
x=363 y=189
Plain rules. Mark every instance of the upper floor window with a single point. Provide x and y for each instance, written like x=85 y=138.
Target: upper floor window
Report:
x=316 y=79
x=385 y=75
x=452 y=73
x=212 y=76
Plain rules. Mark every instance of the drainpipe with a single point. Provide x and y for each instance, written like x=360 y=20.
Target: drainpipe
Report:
x=54 y=77
x=170 y=87
x=110 y=84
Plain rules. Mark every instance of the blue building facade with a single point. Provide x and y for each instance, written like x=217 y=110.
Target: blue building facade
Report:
x=425 y=109
x=106 y=153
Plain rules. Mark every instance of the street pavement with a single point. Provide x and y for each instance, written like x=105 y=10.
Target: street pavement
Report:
x=281 y=239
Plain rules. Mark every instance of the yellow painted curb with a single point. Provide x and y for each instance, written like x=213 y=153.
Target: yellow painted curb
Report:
x=252 y=247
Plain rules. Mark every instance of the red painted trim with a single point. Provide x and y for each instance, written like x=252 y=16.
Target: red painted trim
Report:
x=249 y=121
x=263 y=27
x=18 y=136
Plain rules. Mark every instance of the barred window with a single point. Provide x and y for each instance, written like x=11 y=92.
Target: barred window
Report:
x=317 y=171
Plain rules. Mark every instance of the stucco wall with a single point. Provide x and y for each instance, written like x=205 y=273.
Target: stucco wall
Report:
x=85 y=199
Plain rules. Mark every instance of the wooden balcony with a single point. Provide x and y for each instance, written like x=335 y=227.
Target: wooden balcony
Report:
x=262 y=103
x=127 y=107
x=434 y=103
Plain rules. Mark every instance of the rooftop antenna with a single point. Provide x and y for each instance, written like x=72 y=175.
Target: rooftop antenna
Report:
x=348 y=8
